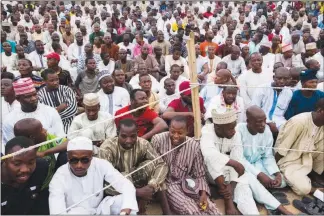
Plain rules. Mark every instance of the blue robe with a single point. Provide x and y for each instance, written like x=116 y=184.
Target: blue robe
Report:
x=300 y=104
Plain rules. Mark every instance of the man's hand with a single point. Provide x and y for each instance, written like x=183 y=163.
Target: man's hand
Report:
x=277 y=181
x=203 y=204
x=127 y=211
x=145 y=192
x=239 y=168
x=273 y=127
x=226 y=191
x=61 y=107
x=265 y=180
x=201 y=77
x=4 y=69
x=41 y=154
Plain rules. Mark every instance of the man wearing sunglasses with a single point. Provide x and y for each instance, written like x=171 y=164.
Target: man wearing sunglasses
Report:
x=128 y=152
x=84 y=176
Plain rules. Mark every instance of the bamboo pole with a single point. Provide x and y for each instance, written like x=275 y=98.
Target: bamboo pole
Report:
x=194 y=79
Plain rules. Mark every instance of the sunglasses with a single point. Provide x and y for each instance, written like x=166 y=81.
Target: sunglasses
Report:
x=83 y=160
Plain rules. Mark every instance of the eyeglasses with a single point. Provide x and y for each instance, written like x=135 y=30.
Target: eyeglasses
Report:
x=83 y=160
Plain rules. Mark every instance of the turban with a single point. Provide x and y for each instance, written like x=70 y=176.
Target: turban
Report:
x=226 y=117
x=80 y=143
x=309 y=74
x=23 y=86
x=91 y=99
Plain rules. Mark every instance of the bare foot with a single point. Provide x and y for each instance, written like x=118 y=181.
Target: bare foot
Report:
x=230 y=208
x=283 y=210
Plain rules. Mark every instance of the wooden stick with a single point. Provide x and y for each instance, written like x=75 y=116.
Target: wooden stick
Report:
x=194 y=79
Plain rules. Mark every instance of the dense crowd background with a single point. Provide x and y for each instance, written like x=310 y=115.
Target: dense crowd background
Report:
x=68 y=68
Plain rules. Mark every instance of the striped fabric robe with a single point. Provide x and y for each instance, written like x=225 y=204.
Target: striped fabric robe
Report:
x=183 y=162
x=63 y=94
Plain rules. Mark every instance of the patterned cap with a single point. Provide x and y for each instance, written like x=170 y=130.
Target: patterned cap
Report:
x=224 y=117
x=286 y=48
x=311 y=46
x=23 y=86
x=91 y=99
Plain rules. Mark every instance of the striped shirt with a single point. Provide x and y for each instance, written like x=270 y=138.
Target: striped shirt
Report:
x=38 y=81
x=63 y=94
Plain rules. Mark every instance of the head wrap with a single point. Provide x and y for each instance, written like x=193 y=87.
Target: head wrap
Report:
x=91 y=99
x=286 y=48
x=183 y=86
x=225 y=117
x=309 y=74
x=23 y=86
x=54 y=56
x=80 y=143
x=311 y=46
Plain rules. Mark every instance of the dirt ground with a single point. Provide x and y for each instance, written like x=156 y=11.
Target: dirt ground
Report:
x=154 y=208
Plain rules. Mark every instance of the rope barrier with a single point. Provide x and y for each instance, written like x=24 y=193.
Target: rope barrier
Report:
x=129 y=174
x=239 y=86
x=77 y=131
x=192 y=85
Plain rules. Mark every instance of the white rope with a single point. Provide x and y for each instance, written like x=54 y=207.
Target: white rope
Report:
x=129 y=174
x=192 y=85
x=239 y=86
x=275 y=148
x=77 y=131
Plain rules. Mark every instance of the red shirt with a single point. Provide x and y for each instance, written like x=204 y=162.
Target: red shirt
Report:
x=179 y=106
x=143 y=122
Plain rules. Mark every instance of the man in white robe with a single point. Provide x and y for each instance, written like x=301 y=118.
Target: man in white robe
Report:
x=274 y=102
x=268 y=58
x=82 y=124
x=257 y=144
x=30 y=108
x=84 y=176
x=223 y=154
x=112 y=98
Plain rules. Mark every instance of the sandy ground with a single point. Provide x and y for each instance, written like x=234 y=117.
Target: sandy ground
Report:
x=155 y=209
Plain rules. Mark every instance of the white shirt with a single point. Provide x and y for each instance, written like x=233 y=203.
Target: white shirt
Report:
x=251 y=79
x=129 y=47
x=209 y=92
x=268 y=61
x=101 y=131
x=47 y=115
x=67 y=189
x=109 y=68
x=273 y=105
x=177 y=83
x=38 y=59
x=235 y=66
x=218 y=104
x=11 y=62
x=214 y=150
x=120 y=99
x=169 y=61
x=318 y=57
x=134 y=82
x=212 y=65
x=165 y=100
x=8 y=108
x=74 y=51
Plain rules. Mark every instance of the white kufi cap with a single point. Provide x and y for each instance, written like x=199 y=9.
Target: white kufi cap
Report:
x=80 y=143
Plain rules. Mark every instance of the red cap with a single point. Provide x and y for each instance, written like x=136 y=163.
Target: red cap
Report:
x=183 y=86
x=54 y=56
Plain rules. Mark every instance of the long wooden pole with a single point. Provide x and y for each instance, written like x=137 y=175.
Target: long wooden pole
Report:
x=194 y=79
